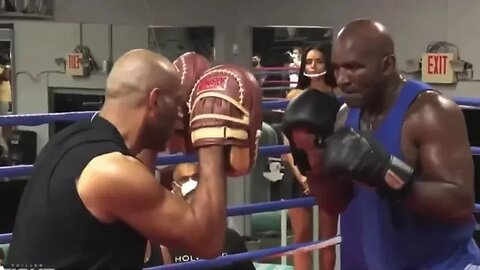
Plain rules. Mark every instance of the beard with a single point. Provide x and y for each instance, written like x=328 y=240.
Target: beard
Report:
x=156 y=136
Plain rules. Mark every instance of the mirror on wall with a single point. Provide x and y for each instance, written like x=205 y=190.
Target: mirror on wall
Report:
x=174 y=41
x=25 y=9
x=277 y=52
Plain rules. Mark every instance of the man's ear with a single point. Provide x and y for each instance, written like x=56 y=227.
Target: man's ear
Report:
x=153 y=98
x=389 y=64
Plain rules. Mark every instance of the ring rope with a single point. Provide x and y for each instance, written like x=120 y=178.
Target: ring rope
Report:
x=252 y=255
x=251 y=209
x=26 y=170
x=263 y=207
x=239 y=210
x=5 y=238
x=36 y=119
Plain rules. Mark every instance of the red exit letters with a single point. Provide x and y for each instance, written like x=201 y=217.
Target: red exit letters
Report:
x=437 y=64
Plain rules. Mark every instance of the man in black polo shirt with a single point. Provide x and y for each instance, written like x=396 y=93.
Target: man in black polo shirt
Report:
x=91 y=204
x=184 y=184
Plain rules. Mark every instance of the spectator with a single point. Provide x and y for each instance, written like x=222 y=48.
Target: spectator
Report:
x=315 y=72
x=183 y=185
x=295 y=62
x=257 y=65
x=5 y=99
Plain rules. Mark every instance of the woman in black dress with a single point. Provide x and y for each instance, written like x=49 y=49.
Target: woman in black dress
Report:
x=315 y=72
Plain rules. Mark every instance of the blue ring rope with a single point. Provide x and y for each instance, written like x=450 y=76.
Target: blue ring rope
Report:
x=263 y=207
x=45 y=118
x=230 y=259
x=26 y=170
x=38 y=119
x=238 y=210
x=251 y=209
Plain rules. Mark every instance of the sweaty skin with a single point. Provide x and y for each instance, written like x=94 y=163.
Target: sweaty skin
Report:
x=141 y=101
x=434 y=136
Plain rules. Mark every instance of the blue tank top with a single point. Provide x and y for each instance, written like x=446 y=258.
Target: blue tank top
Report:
x=380 y=234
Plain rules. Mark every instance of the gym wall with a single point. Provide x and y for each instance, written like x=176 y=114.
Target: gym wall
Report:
x=37 y=44
x=413 y=23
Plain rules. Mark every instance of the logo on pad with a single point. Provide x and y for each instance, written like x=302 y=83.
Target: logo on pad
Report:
x=218 y=83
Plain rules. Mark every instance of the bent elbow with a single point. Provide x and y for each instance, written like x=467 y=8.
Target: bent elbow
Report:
x=463 y=207
x=210 y=248
x=466 y=207
x=467 y=212
x=465 y=203
x=212 y=251
x=209 y=245
x=463 y=213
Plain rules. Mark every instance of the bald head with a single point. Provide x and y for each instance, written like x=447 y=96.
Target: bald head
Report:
x=139 y=71
x=365 y=63
x=369 y=35
x=142 y=99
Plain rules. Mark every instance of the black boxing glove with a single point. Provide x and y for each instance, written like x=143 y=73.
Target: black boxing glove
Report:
x=359 y=156
x=312 y=110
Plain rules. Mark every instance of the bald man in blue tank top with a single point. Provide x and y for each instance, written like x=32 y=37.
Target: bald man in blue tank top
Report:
x=395 y=164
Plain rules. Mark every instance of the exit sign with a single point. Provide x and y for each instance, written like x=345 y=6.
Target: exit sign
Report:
x=436 y=68
x=74 y=64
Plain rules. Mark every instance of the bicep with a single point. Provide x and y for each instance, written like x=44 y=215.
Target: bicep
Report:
x=128 y=192
x=159 y=215
x=443 y=145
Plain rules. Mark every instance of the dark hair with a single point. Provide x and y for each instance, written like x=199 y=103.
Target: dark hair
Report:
x=326 y=50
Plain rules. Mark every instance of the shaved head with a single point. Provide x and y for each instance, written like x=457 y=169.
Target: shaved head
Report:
x=372 y=35
x=142 y=98
x=139 y=71
x=363 y=58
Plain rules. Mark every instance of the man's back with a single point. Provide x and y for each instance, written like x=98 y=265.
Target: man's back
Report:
x=53 y=227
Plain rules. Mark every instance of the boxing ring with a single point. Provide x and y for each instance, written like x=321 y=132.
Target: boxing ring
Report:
x=276 y=252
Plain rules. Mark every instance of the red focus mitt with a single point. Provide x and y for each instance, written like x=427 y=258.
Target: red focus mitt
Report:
x=226 y=109
x=191 y=66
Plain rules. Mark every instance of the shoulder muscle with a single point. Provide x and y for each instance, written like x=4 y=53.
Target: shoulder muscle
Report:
x=114 y=179
x=437 y=126
x=431 y=113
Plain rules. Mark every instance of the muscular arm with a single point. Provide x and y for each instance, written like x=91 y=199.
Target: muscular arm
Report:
x=445 y=186
x=115 y=187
